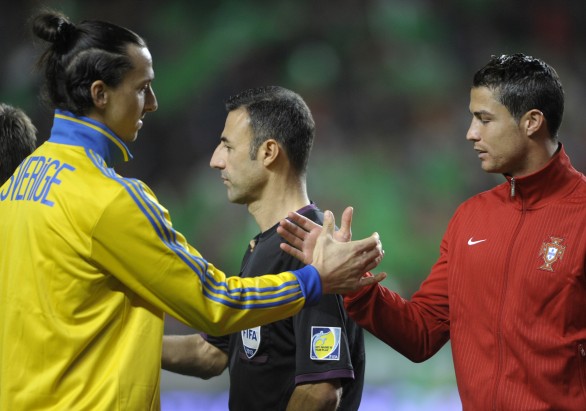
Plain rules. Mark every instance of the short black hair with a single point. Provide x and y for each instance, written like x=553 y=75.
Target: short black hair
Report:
x=281 y=114
x=522 y=83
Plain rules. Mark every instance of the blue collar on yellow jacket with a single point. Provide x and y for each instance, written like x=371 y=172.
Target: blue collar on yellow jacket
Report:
x=83 y=131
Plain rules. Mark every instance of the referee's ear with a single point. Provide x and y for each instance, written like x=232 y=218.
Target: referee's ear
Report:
x=269 y=151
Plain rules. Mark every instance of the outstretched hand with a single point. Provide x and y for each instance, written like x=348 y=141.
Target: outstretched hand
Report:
x=301 y=233
x=340 y=262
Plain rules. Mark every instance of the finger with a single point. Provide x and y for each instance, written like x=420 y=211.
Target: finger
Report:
x=302 y=221
x=290 y=238
x=292 y=251
x=365 y=281
x=345 y=231
x=371 y=259
x=292 y=233
x=367 y=244
x=293 y=228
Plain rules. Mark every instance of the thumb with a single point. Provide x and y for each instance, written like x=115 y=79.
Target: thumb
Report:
x=329 y=224
x=345 y=232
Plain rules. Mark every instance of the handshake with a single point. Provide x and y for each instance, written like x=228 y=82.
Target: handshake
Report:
x=341 y=263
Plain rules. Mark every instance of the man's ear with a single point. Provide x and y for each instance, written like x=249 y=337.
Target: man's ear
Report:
x=269 y=151
x=533 y=121
x=99 y=93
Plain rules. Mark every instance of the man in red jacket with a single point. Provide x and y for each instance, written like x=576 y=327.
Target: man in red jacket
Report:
x=509 y=287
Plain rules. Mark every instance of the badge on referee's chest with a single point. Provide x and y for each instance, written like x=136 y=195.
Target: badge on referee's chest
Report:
x=250 y=341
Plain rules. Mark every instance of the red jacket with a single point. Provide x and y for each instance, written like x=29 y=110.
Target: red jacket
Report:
x=509 y=290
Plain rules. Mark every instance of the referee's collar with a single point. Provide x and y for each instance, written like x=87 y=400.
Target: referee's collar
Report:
x=83 y=131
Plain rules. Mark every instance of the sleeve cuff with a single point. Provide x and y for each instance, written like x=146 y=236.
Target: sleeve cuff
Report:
x=310 y=284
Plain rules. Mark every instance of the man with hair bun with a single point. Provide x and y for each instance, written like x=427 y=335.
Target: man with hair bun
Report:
x=89 y=260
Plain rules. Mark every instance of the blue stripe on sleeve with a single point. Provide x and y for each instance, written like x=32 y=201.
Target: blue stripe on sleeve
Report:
x=255 y=303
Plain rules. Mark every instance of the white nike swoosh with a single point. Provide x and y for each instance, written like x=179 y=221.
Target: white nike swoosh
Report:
x=472 y=242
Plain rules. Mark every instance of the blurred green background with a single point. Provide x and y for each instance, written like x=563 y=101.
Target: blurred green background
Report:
x=388 y=83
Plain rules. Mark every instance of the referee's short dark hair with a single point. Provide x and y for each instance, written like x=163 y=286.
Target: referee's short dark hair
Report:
x=281 y=114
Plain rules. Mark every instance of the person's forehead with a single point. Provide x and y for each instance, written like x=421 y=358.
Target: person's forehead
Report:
x=237 y=125
x=483 y=96
x=239 y=118
x=142 y=61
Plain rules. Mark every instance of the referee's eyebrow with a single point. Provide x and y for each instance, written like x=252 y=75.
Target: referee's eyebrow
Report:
x=480 y=113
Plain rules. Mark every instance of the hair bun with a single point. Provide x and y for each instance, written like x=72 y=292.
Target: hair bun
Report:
x=65 y=31
x=55 y=28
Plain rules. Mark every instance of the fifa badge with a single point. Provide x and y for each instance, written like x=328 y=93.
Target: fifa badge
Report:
x=250 y=341
x=325 y=343
x=551 y=252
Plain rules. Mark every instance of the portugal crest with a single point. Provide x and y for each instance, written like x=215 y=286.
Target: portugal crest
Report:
x=551 y=252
